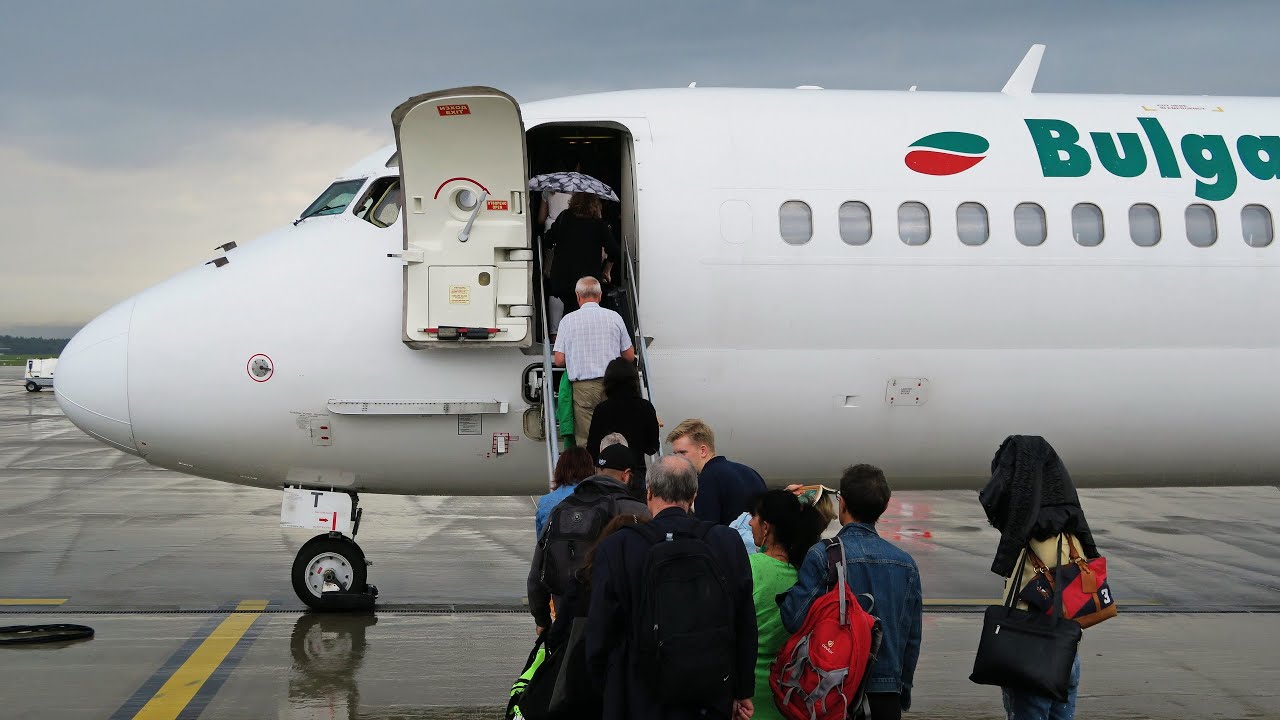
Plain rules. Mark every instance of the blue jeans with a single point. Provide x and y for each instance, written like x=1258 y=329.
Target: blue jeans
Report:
x=1021 y=705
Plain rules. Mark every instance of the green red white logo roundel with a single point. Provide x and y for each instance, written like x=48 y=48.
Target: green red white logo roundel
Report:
x=946 y=153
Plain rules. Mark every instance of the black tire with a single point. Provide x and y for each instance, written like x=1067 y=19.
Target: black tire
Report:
x=32 y=386
x=342 y=553
x=34 y=634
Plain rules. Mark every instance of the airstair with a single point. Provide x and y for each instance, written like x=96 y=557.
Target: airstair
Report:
x=630 y=311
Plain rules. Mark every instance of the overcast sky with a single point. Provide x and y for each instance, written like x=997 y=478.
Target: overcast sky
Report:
x=136 y=136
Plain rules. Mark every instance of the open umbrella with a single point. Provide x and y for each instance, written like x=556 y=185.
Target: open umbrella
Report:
x=572 y=182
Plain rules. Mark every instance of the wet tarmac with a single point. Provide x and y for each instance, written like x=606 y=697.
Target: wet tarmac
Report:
x=186 y=584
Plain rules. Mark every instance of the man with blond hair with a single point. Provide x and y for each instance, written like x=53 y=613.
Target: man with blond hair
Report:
x=590 y=337
x=725 y=488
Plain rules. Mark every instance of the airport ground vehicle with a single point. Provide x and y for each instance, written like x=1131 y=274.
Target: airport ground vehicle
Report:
x=39 y=373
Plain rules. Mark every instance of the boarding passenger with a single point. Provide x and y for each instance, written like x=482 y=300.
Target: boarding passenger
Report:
x=725 y=488
x=698 y=662
x=573 y=528
x=590 y=338
x=1031 y=499
x=784 y=529
x=553 y=203
x=580 y=239
x=574 y=466
x=877 y=567
x=583 y=695
x=624 y=411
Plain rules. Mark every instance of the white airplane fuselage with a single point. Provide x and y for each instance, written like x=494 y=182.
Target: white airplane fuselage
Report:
x=1152 y=365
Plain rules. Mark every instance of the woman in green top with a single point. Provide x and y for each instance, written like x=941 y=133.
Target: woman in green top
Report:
x=784 y=529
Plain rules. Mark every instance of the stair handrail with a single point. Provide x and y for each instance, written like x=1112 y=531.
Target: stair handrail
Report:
x=548 y=398
x=629 y=277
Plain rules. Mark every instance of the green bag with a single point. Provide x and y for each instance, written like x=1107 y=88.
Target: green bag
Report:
x=564 y=410
x=536 y=658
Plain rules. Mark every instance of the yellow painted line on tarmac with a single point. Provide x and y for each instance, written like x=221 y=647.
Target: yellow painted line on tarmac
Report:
x=32 y=601
x=186 y=681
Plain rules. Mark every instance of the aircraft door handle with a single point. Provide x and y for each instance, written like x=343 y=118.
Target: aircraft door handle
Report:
x=409 y=256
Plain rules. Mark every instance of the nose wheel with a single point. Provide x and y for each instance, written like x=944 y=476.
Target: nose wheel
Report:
x=329 y=573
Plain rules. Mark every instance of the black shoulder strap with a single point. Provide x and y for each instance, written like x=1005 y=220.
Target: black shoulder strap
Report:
x=835 y=556
x=1015 y=586
x=651 y=534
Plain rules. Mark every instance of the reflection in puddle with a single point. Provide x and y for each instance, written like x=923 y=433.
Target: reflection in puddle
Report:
x=327 y=650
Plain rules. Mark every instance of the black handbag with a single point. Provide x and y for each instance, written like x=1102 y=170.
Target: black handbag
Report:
x=562 y=688
x=1026 y=650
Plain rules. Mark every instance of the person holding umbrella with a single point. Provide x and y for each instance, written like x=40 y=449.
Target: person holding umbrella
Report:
x=579 y=236
x=581 y=240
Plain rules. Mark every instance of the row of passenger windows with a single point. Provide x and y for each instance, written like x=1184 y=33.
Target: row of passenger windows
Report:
x=795 y=222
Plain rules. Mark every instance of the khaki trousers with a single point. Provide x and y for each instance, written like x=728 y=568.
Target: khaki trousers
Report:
x=587 y=394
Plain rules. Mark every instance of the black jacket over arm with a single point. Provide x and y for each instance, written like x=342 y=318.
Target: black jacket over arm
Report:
x=1031 y=495
x=615 y=590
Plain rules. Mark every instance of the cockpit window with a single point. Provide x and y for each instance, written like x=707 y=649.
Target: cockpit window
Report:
x=333 y=200
x=380 y=206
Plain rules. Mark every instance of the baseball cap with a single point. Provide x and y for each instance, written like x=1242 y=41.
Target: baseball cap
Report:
x=616 y=457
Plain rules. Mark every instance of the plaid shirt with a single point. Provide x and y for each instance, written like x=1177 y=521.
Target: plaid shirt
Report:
x=590 y=338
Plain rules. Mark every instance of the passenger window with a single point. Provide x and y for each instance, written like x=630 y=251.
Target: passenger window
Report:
x=380 y=206
x=1202 y=225
x=334 y=199
x=1255 y=221
x=1086 y=224
x=913 y=223
x=971 y=223
x=1144 y=225
x=795 y=222
x=855 y=223
x=1029 y=225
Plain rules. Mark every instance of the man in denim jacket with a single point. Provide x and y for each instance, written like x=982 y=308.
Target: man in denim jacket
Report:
x=877 y=567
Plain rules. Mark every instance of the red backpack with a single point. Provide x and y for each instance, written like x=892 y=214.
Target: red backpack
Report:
x=820 y=673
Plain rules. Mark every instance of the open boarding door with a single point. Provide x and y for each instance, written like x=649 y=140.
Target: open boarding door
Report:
x=468 y=273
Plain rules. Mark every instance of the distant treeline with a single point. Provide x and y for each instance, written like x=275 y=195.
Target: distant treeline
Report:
x=31 y=345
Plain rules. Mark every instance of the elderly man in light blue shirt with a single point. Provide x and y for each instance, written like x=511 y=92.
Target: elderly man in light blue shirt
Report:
x=590 y=338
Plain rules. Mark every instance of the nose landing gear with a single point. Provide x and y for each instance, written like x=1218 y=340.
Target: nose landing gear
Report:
x=330 y=571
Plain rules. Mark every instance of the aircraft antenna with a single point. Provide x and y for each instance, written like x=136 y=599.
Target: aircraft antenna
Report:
x=1024 y=77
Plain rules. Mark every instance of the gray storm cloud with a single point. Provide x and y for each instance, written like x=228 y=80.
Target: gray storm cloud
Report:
x=136 y=136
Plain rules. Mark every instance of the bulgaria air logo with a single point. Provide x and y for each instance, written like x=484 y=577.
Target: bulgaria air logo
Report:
x=946 y=153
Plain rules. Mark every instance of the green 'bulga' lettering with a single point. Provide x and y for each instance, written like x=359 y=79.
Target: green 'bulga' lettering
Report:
x=1208 y=157
x=1251 y=148
x=1053 y=140
x=1134 y=161
x=1159 y=139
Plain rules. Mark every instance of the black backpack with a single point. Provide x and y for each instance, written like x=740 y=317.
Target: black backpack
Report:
x=572 y=530
x=684 y=622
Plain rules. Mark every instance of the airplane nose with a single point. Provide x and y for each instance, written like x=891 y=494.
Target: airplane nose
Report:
x=91 y=380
